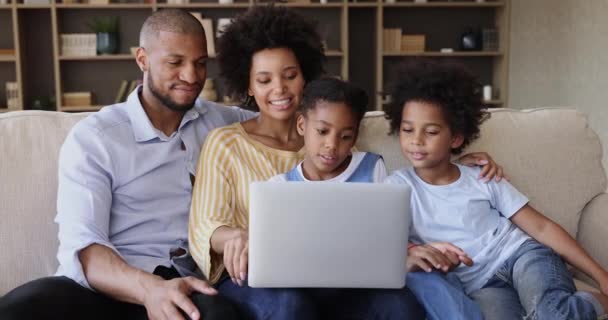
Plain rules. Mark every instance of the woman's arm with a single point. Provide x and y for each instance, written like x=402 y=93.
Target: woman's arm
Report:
x=549 y=233
x=489 y=170
x=212 y=203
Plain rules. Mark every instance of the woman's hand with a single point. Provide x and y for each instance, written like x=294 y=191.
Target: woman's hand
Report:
x=489 y=170
x=236 y=255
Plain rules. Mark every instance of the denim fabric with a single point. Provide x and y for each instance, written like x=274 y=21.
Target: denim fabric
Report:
x=300 y=304
x=443 y=296
x=533 y=283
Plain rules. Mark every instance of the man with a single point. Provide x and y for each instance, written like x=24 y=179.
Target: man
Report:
x=125 y=183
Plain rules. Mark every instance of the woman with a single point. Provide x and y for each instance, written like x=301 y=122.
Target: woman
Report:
x=266 y=56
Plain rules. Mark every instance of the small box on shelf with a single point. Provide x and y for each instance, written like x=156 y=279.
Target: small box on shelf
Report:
x=76 y=99
x=78 y=44
x=413 y=43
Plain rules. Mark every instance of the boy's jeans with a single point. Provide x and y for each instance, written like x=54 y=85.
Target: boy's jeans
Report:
x=313 y=304
x=442 y=296
x=533 y=284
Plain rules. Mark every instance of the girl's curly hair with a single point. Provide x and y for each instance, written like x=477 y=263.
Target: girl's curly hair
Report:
x=267 y=27
x=450 y=86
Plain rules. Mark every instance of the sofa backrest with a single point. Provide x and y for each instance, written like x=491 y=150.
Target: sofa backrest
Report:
x=549 y=154
x=29 y=148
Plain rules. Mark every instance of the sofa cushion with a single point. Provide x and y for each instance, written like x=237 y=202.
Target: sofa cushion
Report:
x=29 y=144
x=551 y=155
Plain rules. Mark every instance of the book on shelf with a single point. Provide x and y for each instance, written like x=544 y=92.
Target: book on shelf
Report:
x=391 y=39
x=208 y=26
x=78 y=44
x=12 y=96
x=7 y=52
x=77 y=99
x=122 y=90
x=132 y=85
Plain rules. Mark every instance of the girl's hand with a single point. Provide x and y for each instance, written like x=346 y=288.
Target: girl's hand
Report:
x=489 y=170
x=236 y=256
x=426 y=257
x=454 y=253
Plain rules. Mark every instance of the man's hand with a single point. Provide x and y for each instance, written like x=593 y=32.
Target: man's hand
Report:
x=164 y=299
x=236 y=256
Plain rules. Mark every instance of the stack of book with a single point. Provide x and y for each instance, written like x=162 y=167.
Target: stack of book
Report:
x=77 y=99
x=391 y=40
x=78 y=44
x=12 y=96
x=208 y=26
x=126 y=87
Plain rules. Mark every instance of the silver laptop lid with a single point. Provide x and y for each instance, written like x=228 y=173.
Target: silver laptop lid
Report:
x=332 y=235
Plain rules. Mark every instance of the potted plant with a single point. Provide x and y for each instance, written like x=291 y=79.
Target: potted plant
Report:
x=106 y=29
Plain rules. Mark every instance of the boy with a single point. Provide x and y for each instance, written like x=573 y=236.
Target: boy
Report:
x=437 y=111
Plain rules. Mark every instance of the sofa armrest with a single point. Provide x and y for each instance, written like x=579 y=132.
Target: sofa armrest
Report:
x=593 y=228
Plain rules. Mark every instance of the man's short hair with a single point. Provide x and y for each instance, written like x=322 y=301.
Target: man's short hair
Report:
x=171 y=20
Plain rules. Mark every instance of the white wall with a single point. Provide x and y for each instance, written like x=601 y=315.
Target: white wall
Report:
x=559 y=57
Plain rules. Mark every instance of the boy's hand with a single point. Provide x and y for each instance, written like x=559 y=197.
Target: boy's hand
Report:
x=489 y=170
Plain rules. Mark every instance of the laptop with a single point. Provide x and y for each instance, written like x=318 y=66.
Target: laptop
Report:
x=328 y=235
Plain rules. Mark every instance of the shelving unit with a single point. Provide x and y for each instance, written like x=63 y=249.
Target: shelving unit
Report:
x=352 y=31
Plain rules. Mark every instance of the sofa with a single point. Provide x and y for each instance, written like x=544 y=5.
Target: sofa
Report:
x=549 y=154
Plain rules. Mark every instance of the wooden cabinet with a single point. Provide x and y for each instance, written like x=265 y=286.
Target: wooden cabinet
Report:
x=352 y=32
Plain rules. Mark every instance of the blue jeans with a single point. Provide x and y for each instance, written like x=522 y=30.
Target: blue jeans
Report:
x=442 y=296
x=297 y=304
x=533 y=284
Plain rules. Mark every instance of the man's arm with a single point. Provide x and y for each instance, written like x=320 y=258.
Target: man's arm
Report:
x=86 y=254
x=109 y=273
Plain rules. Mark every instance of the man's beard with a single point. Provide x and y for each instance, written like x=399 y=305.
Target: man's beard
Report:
x=166 y=99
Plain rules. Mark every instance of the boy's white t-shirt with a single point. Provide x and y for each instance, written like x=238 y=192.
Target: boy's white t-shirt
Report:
x=469 y=213
x=379 y=173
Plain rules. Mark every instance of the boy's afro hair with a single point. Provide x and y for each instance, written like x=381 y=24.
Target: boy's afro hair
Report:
x=267 y=27
x=450 y=86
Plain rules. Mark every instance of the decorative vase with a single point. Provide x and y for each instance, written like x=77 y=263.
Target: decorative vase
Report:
x=107 y=42
x=469 y=41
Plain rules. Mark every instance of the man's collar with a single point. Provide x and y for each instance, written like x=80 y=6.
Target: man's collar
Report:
x=143 y=129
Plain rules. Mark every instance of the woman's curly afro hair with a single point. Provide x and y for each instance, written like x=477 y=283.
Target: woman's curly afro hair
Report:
x=267 y=27
x=450 y=86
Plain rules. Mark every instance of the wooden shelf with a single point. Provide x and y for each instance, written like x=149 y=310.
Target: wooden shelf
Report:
x=444 y=54
x=7 y=58
x=209 y=5
x=104 y=6
x=80 y=108
x=310 y=5
x=362 y=4
x=334 y=53
x=445 y=4
x=493 y=102
x=354 y=36
x=34 y=6
x=104 y=57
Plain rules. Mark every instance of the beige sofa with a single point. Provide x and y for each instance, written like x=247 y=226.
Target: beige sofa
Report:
x=549 y=154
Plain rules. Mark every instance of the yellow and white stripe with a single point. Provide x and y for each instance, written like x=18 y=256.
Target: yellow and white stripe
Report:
x=230 y=160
